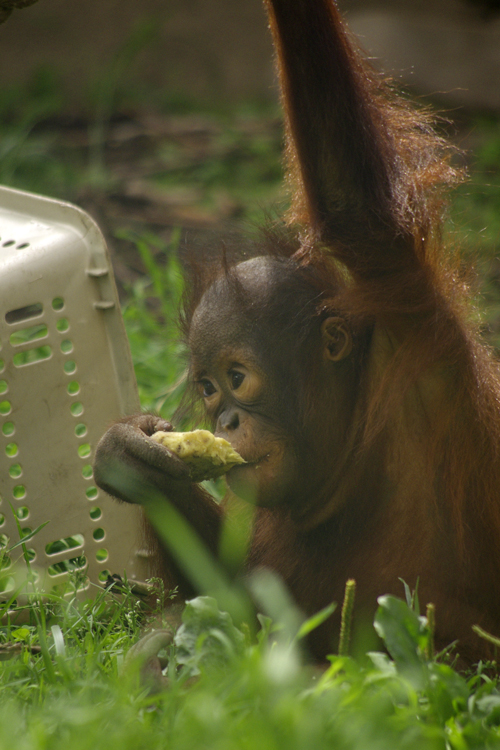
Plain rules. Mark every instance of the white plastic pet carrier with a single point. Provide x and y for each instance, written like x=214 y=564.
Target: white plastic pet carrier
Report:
x=65 y=375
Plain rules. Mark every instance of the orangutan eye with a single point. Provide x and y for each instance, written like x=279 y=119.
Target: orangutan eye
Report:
x=207 y=388
x=236 y=379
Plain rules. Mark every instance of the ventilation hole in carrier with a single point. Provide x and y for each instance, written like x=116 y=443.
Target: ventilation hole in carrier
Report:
x=2 y=518
x=11 y=450
x=2 y=365
x=15 y=471
x=5 y=408
x=73 y=388
x=23 y=335
x=62 y=325
x=80 y=430
x=8 y=429
x=92 y=493
x=99 y=534
x=3 y=386
x=22 y=245
x=19 y=492
x=7 y=585
x=95 y=513
x=87 y=471
x=8 y=243
x=66 y=346
x=32 y=356
x=67 y=566
x=76 y=409
x=101 y=555
x=104 y=575
x=61 y=545
x=70 y=367
x=84 y=450
x=24 y=313
x=57 y=303
x=22 y=513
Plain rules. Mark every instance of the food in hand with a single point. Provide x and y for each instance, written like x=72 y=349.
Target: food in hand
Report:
x=207 y=456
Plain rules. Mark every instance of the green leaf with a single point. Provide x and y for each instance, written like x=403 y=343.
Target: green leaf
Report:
x=28 y=536
x=21 y=634
x=316 y=620
x=403 y=633
x=207 y=637
x=448 y=691
x=274 y=599
x=382 y=663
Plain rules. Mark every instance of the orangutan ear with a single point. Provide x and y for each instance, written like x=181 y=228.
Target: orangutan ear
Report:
x=337 y=339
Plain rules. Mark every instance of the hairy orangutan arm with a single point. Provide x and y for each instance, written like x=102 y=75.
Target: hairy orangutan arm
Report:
x=129 y=466
x=366 y=164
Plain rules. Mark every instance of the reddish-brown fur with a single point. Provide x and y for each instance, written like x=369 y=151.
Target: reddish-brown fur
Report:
x=416 y=492
x=349 y=136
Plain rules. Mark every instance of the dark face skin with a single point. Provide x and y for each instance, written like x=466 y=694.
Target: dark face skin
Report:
x=243 y=365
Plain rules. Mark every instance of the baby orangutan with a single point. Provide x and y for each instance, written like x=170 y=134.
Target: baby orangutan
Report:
x=342 y=366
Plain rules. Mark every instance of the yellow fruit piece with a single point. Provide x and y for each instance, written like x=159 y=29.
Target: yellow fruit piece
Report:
x=206 y=455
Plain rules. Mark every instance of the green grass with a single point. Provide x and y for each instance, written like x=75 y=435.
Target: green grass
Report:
x=67 y=684
x=476 y=222
x=243 y=166
x=150 y=315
